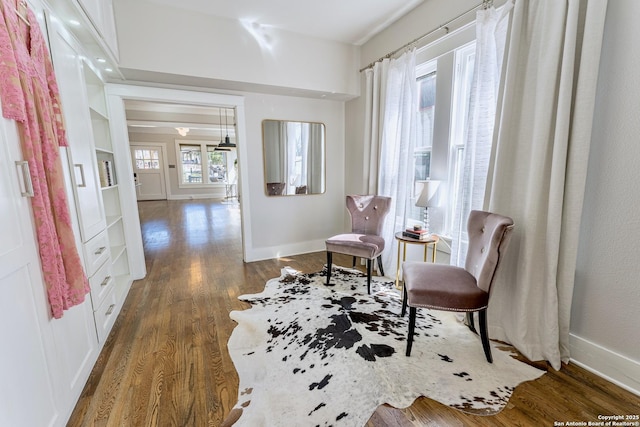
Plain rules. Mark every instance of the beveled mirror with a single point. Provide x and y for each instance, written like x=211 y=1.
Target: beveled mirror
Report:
x=294 y=157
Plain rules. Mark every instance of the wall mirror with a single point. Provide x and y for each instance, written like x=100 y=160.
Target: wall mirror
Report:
x=294 y=157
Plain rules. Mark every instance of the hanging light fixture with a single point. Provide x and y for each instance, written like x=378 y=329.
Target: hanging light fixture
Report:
x=227 y=141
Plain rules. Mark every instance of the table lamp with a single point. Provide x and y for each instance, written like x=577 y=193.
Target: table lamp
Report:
x=426 y=199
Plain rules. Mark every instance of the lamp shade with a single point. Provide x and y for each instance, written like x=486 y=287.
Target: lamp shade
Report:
x=429 y=189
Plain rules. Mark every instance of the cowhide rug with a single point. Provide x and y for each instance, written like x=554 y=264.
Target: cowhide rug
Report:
x=312 y=355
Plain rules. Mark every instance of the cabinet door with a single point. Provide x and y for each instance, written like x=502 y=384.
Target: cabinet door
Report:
x=75 y=106
x=109 y=30
x=93 y=9
x=28 y=395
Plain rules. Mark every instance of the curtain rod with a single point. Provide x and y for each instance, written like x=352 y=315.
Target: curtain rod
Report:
x=485 y=4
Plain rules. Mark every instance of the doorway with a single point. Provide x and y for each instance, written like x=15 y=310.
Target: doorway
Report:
x=119 y=94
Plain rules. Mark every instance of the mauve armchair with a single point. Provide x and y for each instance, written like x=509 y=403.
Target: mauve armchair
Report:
x=451 y=288
x=365 y=240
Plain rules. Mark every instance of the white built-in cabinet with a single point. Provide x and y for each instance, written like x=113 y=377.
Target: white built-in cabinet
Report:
x=45 y=362
x=93 y=178
x=101 y=15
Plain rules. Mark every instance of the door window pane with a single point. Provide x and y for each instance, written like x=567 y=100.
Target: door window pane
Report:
x=147 y=159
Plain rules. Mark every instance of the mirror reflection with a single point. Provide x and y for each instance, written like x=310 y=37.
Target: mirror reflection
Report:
x=294 y=157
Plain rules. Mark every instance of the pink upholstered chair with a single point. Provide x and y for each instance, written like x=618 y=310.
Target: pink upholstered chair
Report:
x=275 y=188
x=364 y=241
x=451 y=288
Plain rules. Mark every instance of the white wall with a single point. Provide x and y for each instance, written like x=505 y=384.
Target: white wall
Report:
x=162 y=43
x=174 y=191
x=288 y=225
x=606 y=301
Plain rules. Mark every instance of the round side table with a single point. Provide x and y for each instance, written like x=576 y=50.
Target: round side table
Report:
x=403 y=241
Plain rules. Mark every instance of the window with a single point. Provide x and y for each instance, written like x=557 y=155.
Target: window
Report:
x=217 y=164
x=444 y=78
x=424 y=141
x=201 y=163
x=464 y=62
x=147 y=159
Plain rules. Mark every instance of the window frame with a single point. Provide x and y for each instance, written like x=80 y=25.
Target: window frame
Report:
x=445 y=156
x=204 y=164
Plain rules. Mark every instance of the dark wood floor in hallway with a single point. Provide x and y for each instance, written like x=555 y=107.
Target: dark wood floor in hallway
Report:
x=166 y=362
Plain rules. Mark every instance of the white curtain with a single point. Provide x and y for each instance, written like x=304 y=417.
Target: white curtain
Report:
x=538 y=169
x=491 y=34
x=375 y=95
x=316 y=167
x=293 y=138
x=396 y=152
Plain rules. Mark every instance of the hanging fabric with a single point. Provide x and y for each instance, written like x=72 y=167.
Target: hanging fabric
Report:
x=538 y=169
x=491 y=33
x=375 y=95
x=399 y=131
x=29 y=95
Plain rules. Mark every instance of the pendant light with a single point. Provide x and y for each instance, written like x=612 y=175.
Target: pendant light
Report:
x=227 y=141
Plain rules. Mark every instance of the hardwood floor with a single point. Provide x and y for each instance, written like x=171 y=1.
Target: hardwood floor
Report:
x=166 y=362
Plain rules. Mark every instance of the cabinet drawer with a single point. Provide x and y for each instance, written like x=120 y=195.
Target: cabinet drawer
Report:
x=106 y=314
x=96 y=252
x=101 y=282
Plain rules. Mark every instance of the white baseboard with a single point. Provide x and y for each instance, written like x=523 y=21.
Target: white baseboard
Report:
x=196 y=196
x=611 y=366
x=259 y=254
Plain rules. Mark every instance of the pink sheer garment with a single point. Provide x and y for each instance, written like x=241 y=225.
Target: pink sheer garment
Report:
x=29 y=95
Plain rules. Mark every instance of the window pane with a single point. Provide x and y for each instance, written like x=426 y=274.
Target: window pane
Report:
x=426 y=108
x=144 y=159
x=191 y=158
x=217 y=164
x=422 y=165
x=424 y=141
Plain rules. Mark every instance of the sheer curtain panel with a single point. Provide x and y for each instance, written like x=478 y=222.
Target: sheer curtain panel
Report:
x=491 y=33
x=396 y=152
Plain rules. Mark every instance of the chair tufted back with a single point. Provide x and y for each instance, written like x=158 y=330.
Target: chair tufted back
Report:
x=275 y=188
x=489 y=236
x=367 y=213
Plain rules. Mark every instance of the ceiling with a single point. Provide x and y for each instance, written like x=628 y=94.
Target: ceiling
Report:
x=346 y=21
x=206 y=123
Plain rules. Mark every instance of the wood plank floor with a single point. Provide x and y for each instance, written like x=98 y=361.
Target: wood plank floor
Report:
x=165 y=362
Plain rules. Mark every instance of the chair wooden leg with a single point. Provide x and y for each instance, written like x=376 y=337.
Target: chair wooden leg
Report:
x=412 y=327
x=369 y=276
x=380 y=268
x=329 y=262
x=354 y=263
x=484 y=336
x=470 y=322
x=404 y=300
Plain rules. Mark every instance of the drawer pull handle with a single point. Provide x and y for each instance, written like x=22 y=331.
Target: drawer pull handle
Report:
x=100 y=251
x=26 y=178
x=105 y=282
x=81 y=167
x=110 y=310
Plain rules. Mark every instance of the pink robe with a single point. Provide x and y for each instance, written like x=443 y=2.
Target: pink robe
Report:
x=29 y=95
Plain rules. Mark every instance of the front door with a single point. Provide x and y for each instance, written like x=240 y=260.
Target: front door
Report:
x=148 y=169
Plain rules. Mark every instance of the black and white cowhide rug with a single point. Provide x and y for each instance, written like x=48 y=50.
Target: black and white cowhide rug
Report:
x=312 y=355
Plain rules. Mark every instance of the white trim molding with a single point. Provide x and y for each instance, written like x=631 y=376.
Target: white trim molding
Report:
x=611 y=366
x=272 y=252
x=120 y=92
